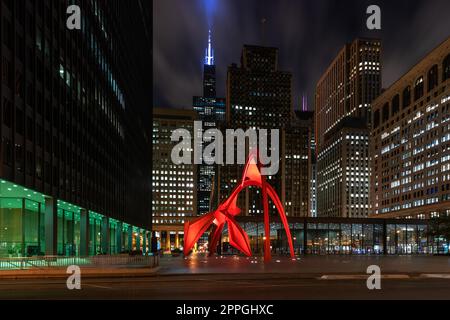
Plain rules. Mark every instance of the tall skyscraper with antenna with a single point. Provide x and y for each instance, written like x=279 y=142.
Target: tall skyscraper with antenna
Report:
x=209 y=71
x=211 y=111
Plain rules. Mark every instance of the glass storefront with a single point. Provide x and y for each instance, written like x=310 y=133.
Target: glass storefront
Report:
x=125 y=237
x=363 y=237
x=113 y=225
x=95 y=235
x=68 y=230
x=22 y=226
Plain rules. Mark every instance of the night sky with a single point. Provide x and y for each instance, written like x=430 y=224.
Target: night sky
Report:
x=308 y=33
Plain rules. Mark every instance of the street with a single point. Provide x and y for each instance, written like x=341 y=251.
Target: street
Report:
x=232 y=277
x=234 y=286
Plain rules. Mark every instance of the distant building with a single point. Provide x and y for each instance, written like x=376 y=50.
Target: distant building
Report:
x=343 y=98
x=259 y=96
x=296 y=164
x=343 y=171
x=411 y=141
x=310 y=116
x=211 y=111
x=349 y=85
x=174 y=190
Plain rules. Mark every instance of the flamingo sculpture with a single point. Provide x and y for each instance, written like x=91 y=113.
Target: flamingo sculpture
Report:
x=227 y=210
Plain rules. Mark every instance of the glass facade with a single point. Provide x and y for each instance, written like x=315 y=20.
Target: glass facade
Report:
x=341 y=236
x=22 y=227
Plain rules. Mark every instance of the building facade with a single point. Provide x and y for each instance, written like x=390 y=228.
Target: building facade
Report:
x=296 y=171
x=343 y=171
x=258 y=93
x=349 y=85
x=174 y=190
x=75 y=152
x=259 y=96
x=340 y=236
x=343 y=106
x=411 y=141
x=211 y=111
x=310 y=117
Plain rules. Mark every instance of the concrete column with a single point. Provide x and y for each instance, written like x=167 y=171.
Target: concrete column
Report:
x=168 y=240
x=154 y=243
x=84 y=233
x=130 y=238
x=138 y=239
x=51 y=224
x=177 y=240
x=305 y=236
x=144 y=245
x=119 y=236
x=105 y=235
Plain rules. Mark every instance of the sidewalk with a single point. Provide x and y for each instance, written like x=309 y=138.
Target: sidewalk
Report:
x=305 y=265
x=86 y=271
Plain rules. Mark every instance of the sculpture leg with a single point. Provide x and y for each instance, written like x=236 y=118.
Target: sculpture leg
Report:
x=216 y=234
x=267 y=253
x=283 y=218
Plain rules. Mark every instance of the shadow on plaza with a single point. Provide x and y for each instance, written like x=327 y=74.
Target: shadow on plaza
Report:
x=331 y=264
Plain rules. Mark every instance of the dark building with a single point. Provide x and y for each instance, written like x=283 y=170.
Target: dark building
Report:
x=75 y=149
x=296 y=171
x=211 y=111
x=308 y=117
x=259 y=96
x=343 y=100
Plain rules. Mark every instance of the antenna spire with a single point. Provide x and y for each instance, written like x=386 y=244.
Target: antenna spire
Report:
x=263 y=30
x=304 y=102
x=209 y=53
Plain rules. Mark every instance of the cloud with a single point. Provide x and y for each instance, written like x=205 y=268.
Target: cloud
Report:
x=308 y=33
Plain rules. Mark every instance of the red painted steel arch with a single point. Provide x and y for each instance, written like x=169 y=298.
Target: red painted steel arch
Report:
x=228 y=209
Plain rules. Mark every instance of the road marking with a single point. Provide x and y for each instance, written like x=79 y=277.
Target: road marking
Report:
x=435 y=275
x=361 y=276
x=96 y=286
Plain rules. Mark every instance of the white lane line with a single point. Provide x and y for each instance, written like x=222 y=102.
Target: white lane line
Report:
x=96 y=286
x=435 y=275
x=361 y=276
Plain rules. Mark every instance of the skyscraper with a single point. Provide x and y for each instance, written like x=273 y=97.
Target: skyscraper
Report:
x=411 y=141
x=174 y=190
x=296 y=164
x=343 y=171
x=259 y=96
x=211 y=111
x=75 y=149
x=343 y=100
x=209 y=71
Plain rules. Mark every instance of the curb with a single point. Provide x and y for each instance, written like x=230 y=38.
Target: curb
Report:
x=315 y=275
x=85 y=273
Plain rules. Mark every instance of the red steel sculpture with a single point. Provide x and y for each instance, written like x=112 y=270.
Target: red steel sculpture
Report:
x=228 y=209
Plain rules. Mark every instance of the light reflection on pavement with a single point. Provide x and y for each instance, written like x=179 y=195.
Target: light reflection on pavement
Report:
x=201 y=263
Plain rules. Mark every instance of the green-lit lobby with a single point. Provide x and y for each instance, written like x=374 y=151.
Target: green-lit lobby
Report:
x=32 y=224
